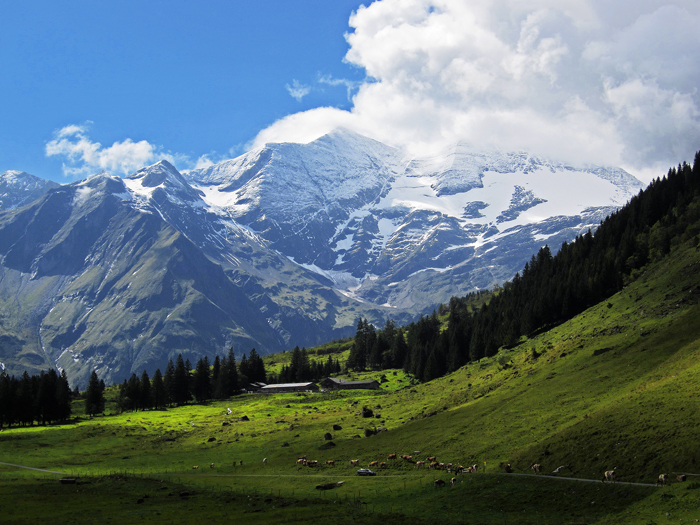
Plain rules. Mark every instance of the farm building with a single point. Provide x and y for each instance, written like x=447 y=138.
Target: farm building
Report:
x=289 y=387
x=333 y=383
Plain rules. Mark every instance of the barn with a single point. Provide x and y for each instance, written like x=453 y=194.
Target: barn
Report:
x=281 y=388
x=334 y=383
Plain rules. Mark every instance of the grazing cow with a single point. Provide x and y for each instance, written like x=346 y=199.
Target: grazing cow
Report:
x=234 y=463
x=330 y=463
x=433 y=464
x=681 y=478
x=420 y=464
x=355 y=462
x=609 y=475
x=211 y=465
x=373 y=463
x=536 y=468
x=439 y=483
x=475 y=467
x=382 y=465
x=441 y=465
x=559 y=469
x=392 y=456
x=459 y=470
x=264 y=461
x=508 y=468
x=406 y=457
x=453 y=481
x=195 y=467
x=301 y=461
x=432 y=458
x=663 y=479
x=448 y=466
x=313 y=463
x=302 y=457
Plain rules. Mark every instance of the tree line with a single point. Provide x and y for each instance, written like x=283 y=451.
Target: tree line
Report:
x=44 y=398
x=302 y=370
x=550 y=289
x=181 y=383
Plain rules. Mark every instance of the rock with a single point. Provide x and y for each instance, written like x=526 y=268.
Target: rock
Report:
x=337 y=427
x=140 y=500
x=367 y=412
x=225 y=424
x=211 y=439
x=244 y=418
x=285 y=444
x=327 y=436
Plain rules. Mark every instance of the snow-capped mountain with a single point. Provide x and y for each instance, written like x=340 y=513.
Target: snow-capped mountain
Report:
x=286 y=245
x=18 y=188
x=389 y=229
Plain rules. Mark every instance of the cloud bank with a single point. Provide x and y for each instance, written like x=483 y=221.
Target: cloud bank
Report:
x=586 y=81
x=84 y=157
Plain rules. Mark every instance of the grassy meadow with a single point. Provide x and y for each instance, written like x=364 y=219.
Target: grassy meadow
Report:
x=617 y=387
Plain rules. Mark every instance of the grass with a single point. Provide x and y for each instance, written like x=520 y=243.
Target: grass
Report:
x=614 y=388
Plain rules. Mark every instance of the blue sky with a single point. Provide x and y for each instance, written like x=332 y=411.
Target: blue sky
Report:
x=92 y=85
x=192 y=78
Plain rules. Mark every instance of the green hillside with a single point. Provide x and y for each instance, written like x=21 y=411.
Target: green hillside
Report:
x=616 y=387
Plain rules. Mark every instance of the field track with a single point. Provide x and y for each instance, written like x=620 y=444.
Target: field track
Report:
x=32 y=468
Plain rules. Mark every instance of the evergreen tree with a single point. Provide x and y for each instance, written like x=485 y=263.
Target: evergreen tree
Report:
x=146 y=393
x=159 y=391
x=94 y=397
x=169 y=382
x=181 y=389
x=202 y=380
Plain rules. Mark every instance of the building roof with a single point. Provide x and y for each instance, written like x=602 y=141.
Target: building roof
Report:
x=287 y=385
x=340 y=381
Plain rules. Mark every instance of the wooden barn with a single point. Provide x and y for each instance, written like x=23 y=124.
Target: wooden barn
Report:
x=333 y=383
x=281 y=388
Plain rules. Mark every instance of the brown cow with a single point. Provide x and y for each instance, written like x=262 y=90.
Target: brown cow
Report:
x=681 y=478
x=211 y=465
x=433 y=464
x=432 y=458
x=439 y=483
x=355 y=462
x=313 y=463
x=195 y=467
x=420 y=464
x=508 y=468
x=382 y=464
x=663 y=479
x=373 y=463
x=392 y=456
x=330 y=463
x=301 y=461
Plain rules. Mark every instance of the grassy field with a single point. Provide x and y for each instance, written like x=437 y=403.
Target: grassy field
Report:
x=614 y=388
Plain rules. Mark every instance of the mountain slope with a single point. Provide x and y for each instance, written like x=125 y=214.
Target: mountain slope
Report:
x=18 y=188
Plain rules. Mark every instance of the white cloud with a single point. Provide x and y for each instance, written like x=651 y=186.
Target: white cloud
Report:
x=581 y=80
x=298 y=90
x=84 y=157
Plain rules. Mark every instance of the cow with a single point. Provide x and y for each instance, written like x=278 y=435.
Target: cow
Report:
x=330 y=463
x=609 y=475
x=301 y=461
x=392 y=456
x=382 y=464
x=662 y=480
x=241 y=463
x=536 y=468
x=681 y=478
x=211 y=465
x=373 y=463
x=559 y=469
x=508 y=468
x=433 y=464
x=195 y=467
x=459 y=470
x=406 y=457
x=475 y=467
x=355 y=462
x=264 y=461
x=234 y=463
x=420 y=464
x=439 y=483
x=302 y=457
x=448 y=467
x=432 y=458
x=312 y=463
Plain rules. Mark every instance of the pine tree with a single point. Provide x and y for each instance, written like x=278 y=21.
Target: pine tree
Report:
x=94 y=397
x=159 y=392
x=146 y=394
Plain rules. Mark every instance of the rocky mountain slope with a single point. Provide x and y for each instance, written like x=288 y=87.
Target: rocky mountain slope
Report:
x=286 y=245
